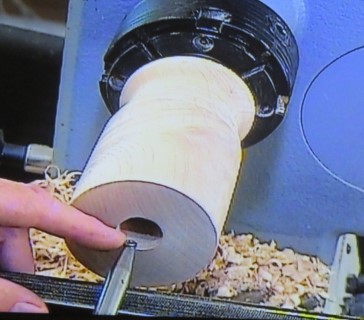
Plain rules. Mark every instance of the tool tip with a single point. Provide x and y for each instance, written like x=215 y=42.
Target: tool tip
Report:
x=130 y=243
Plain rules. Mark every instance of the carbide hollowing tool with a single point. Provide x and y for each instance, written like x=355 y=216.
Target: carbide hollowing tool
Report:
x=117 y=281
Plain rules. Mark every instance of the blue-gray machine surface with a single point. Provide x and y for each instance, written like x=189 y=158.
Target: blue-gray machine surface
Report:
x=303 y=185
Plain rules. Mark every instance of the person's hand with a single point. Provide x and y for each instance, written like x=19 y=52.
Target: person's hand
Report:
x=27 y=205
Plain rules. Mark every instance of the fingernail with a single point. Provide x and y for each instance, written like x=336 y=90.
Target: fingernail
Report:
x=119 y=236
x=24 y=307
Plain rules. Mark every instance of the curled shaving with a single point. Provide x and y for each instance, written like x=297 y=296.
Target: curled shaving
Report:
x=242 y=263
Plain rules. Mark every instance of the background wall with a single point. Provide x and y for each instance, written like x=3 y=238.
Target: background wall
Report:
x=31 y=46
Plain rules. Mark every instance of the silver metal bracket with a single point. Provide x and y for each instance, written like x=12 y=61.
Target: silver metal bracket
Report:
x=346 y=263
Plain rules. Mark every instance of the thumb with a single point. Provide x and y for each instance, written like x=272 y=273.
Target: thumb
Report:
x=14 y=298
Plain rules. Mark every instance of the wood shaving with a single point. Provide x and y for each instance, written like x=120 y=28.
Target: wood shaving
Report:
x=242 y=263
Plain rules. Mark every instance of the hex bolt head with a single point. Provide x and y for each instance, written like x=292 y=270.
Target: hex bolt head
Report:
x=116 y=82
x=203 y=43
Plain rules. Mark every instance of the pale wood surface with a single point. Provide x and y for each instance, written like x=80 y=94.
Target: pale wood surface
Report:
x=170 y=155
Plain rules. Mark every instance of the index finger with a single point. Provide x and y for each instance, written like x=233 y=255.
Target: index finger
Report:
x=28 y=205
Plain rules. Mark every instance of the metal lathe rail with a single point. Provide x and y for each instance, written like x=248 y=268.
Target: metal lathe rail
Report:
x=76 y=294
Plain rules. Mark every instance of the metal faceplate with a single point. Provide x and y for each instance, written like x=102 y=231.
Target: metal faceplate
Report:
x=303 y=185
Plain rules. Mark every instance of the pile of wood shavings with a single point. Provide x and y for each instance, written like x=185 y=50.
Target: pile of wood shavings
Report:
x=246 y=270
x=242 y=265
x=51 y=255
